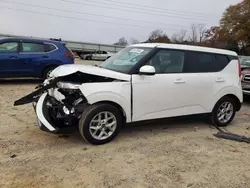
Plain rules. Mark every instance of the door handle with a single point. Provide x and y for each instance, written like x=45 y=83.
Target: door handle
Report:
x=220 y=79
x=45 y=56
x=13 y=57
x=179 y=81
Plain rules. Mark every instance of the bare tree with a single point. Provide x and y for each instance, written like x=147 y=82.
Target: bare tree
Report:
x=179 y=37
x=122 y=42
x=134 y=41
x=194 y=35
x=202 y=32
x=155 y=34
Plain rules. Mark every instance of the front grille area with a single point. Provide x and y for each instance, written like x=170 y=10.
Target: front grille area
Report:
x=246 y=78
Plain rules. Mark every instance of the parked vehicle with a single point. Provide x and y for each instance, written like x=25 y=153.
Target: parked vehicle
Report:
x=99 y=55
x=245 y=62
x=141 y=82
x=246 y=81
x=23 y=57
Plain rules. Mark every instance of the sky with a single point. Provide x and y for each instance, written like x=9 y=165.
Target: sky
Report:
x=105 y=21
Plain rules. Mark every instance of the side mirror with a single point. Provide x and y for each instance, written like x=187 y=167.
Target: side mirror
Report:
x=147 y=70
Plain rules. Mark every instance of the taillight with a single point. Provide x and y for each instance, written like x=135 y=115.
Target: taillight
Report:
x=239 y=67
x=69 y=54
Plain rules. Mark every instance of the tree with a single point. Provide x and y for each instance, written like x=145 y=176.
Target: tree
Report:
x=122 y=42
x=179 y=37
x=215 y=37
x=134 y=41
x=158 y=36
x=235 y=24
x=193 y=37
x=201 y=32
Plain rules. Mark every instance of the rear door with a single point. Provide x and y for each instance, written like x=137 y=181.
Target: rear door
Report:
x=33 y=58
x=202 y=72
x=9 y=58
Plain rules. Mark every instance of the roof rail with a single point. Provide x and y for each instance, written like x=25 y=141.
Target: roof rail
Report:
x=55 y=39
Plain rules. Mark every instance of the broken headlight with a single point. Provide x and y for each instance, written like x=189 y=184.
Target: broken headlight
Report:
x=67 y=85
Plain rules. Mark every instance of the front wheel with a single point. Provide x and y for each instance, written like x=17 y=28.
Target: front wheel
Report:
x=47 y=72
x=223 y=112
x=100 y=123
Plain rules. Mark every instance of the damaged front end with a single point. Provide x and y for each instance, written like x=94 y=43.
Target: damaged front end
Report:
x=59 y=102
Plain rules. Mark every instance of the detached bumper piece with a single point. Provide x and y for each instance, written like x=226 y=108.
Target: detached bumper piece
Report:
x=34 y=96
x=230 y=136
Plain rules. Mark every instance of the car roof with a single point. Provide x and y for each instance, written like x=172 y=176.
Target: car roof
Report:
x=186 y=47
x=29 y=40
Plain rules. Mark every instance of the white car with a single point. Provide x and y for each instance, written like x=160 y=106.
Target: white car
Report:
x=99 y=55
x=141 y=82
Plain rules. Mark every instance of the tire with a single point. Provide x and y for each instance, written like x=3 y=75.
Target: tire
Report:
x=88 y=58
x=227 y=118
x=47 y=71
x=90 y=115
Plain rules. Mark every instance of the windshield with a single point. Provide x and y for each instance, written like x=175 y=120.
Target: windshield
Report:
x=124 y=60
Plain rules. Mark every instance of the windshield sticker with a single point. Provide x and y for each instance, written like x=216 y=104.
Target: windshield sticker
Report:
x=136 y=50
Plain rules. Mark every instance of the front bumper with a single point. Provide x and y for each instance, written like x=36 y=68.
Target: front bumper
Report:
x=245 y=88
x=43 y=121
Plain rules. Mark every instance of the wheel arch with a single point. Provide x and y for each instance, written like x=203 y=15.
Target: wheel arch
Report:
x=47 y=67
x=118 y=106
x=234 y=97
x=114 y=99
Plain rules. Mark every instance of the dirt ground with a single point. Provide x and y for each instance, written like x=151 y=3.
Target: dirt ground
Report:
x=171 y=153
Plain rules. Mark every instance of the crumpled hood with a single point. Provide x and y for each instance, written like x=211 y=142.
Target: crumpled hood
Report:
x=65 y=70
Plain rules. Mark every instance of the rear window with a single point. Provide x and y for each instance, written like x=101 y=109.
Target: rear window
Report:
x=199 y=62
x=32 y=47
x=222 y=61
x=49 y=47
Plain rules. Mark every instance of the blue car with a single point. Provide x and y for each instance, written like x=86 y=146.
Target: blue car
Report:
x=22 y=57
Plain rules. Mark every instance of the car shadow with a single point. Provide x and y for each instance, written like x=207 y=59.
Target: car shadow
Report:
x=141 y=129
x=171 y=124
x=20 y=81
x=246 y=99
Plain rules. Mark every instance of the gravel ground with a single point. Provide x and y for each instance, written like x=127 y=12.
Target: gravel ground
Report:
x=172 y=153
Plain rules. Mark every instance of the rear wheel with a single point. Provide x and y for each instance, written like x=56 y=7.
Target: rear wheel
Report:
x=224 y=112
x=47 y=71
x=100 y=123
x=89 y=58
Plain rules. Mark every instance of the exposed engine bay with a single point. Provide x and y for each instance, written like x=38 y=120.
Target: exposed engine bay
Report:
x=64 y=102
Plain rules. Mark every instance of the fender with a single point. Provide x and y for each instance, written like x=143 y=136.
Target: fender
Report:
x=101 y=92
x=233 y=90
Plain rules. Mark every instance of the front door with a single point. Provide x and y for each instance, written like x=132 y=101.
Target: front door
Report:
x=8 y=58
x=170 y=92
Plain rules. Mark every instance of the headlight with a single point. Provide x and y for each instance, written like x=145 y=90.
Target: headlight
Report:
x=67 y=85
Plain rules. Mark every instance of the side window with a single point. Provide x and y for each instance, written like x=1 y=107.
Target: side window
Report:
x=49 y=47
x=33 y=47
x=199 y=62
x=168 y=61
x=9 y=47
x=222 y=61
x=105 y=52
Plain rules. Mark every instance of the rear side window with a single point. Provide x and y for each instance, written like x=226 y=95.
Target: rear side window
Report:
x=33 y=47
x=199 y=62
x=49 y=47
x=222 y=61
x=8 y=47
